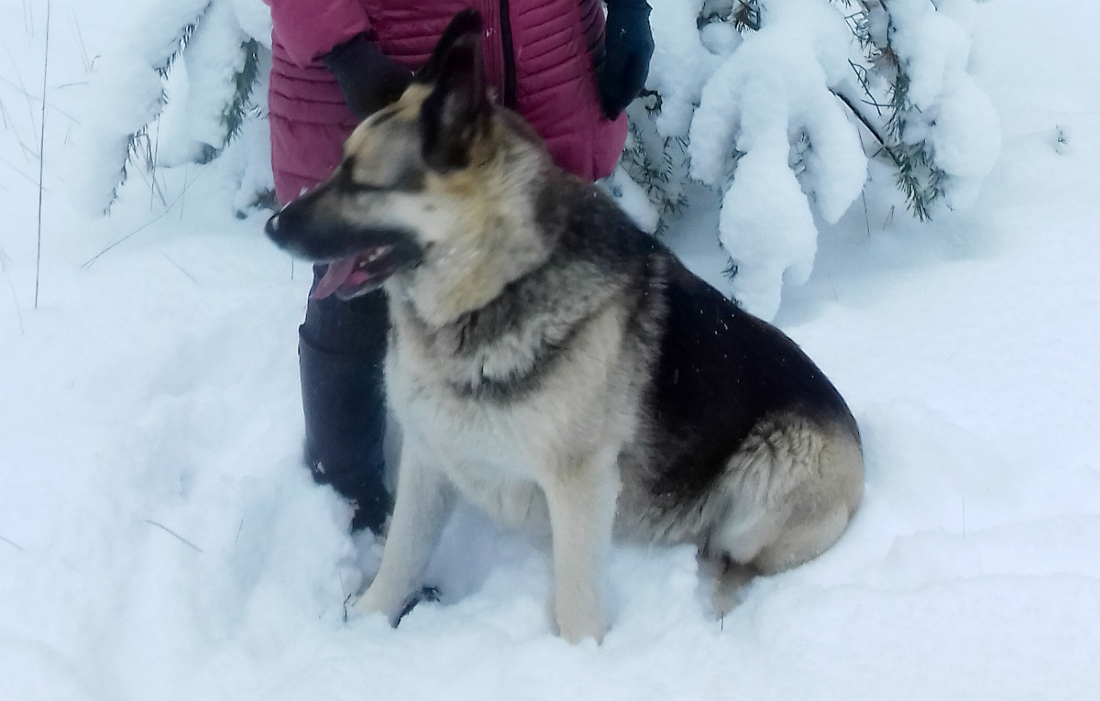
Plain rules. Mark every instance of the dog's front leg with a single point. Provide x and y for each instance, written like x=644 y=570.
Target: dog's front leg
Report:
x=581 y=499
x=423 y=502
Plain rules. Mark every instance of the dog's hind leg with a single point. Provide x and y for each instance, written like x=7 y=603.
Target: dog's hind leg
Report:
x=581 y=499
x=730 y=578
x=423 y=502
x=802 y=541
x=819 y=507
x=791 y=492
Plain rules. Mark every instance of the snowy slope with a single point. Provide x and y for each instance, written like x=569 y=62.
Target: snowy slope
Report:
x=159 y=540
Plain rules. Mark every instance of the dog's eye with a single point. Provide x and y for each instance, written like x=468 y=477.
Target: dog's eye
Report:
x=399 y=173
x=348 y=182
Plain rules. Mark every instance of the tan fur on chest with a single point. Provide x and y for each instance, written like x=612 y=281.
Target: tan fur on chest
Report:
x=494 y=447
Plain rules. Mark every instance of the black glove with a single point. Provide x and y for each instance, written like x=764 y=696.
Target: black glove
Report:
x=628 y=46
x=368 y=79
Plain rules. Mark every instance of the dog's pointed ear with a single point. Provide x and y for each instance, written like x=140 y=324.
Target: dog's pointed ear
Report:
x=458 y=110
x=465 y=22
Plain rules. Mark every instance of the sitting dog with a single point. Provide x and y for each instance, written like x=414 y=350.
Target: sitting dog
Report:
x=558 y=367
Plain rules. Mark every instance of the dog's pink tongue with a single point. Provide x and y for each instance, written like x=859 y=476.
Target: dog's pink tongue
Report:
x=337 y=274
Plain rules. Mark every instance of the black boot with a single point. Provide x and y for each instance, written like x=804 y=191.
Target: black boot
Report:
x=340 y=351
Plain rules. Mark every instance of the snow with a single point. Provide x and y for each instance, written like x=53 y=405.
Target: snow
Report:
x=949 y=109
x=801 y=92
x=766 y=226
x=680 y=65
x=213 y=57
x=141 y=42
x=102 y=146
x=632 y=199
x=159 y=538
x=775 y=87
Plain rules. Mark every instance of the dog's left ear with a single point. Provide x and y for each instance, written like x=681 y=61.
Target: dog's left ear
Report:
x=465 y=22
x=458 y=109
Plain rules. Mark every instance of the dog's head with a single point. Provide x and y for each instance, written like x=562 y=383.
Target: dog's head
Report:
x=429 y=186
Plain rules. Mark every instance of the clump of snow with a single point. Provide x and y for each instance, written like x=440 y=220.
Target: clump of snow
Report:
x=948 y=109
x=251 y=151
x=103 y=140
x=680 y=65
x=719 y=38
x=170 y=75
x=632 y=199
x=773 y=88
x=254 y=19
x=213 y=57
x=766 y=226
x=966 y=138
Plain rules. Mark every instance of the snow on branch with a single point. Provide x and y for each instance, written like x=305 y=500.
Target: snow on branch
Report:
x=179 y=89
x=765 y=100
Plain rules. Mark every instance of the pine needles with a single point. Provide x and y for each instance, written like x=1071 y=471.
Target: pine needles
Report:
x=233 y=116
x=918 y=177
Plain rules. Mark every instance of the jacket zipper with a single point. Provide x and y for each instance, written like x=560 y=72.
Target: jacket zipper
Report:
x=509 y=56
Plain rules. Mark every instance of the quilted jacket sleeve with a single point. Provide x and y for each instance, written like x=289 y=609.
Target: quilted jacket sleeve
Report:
x=309 y=28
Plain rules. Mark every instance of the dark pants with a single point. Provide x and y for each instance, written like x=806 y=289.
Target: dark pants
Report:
x=340 y=351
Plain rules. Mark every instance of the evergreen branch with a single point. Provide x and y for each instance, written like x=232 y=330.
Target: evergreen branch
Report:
x=730 y=271
x=918 y=177
x=181 y=43
x=866 y=123
x=234 y=114
x=747 y=15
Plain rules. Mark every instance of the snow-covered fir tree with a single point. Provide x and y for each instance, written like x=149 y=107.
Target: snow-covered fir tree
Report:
x=780 y=103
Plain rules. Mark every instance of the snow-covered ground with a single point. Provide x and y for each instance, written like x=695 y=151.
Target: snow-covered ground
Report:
x=159 y=540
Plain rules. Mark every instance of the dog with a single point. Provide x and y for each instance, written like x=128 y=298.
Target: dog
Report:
x=558 y=367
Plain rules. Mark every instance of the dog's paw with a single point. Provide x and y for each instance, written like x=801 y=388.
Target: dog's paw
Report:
x=426 y=593
x=576 y=634
x=368 y=603
x=371 y=602
x=576 y=627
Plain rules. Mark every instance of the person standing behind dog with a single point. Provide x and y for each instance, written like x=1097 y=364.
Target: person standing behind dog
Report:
x=337 y=61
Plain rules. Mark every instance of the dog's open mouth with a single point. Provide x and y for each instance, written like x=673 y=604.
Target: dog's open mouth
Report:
x=358 y=273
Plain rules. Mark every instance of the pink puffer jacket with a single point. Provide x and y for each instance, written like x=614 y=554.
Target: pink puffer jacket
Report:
x=538 y=58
